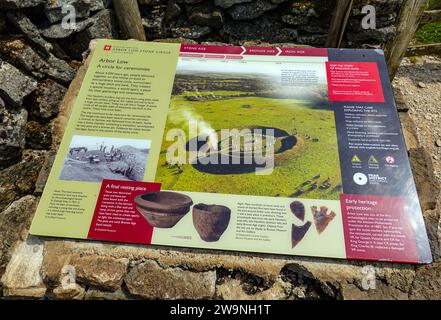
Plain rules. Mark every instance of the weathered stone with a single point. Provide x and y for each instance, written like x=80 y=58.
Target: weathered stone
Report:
x=22 y=22
x=54 y=9
x=206 y=14
x=22 y=276
x=38 y=136
x=47 y=99
x=58 y=31
x=19 y=4
x=96 y=5
x=150 y=280
x=228 y=3
x=193 y=32
x=176 y=40
x=44 y=172
x=14 y=85
x=103 y=26
x=153 y=26
x=14 y=224
x=60 y=70
x=382 y=292
x=99 y=271
x=72 y=291
x=400 y=100
x=409 y=131
x=312 y=40
x=427 y=283
x=232 y=289
x=96 y=294
x=249 y=11
x=102 y=272
x=172 y=11
x=19 y=179
x=422 y=168
x=12 y=135
x=266 y=28
x=383 y=6
x=380 y=34
x=23 y=56
x=295 y=20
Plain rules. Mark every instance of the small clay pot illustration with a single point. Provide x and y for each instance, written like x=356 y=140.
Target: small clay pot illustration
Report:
x=163 y=209
x=210 y=221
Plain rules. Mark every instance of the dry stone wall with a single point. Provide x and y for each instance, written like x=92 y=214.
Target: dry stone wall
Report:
x=39 y=61
x=274 y=21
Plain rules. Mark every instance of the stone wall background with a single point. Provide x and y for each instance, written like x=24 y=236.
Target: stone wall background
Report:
x=237 y=21
x=39 y=60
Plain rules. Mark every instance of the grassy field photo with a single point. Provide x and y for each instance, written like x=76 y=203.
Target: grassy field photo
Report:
x=306 y=152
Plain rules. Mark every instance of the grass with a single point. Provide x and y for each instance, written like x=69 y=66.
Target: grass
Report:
x=429 y=33
x=316 y=158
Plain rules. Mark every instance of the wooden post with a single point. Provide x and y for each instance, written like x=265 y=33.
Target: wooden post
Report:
x=129 y=19
x=408 y=22
x=339 y=21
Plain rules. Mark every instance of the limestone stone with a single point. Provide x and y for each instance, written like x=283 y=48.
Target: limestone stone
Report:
x=103 y=26
x=206 y=14
x=54 y=9
x=409 y=130
x=232 y=289
x=192 y=32
x=44 y=172
x=229 y=3
x=19 y=179
x=12 y=135
x=22 y=276
x=58 y=31
x=264 y=29
x=23 y=56
x=150 y=280
x=14 y=223
x=96 y=294
x=102 y=272
x=252 y=10
x=25 y=25
x=71 y=292
x=14 y=84
x=422 y=168
x=60 y=70
x=47 y=99
x=38 y=135
x=400 y=100
x=427 y=283
x=19 y=4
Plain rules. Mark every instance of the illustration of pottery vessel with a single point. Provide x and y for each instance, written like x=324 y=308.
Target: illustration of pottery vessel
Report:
x=210 y=221
x=163 y=209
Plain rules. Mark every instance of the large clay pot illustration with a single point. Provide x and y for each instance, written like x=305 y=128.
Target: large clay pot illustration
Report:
x=163 y=209
x=210 y=221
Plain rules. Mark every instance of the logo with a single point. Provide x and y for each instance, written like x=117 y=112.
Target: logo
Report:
x=372 y=159
x=356 y=159
x=360 y=179
x=390 y=159
x=107 y=47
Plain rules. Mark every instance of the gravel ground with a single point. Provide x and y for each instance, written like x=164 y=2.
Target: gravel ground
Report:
x=420 y=83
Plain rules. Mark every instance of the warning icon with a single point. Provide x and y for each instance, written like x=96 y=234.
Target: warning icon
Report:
x=356 y=159
x=372 y=159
